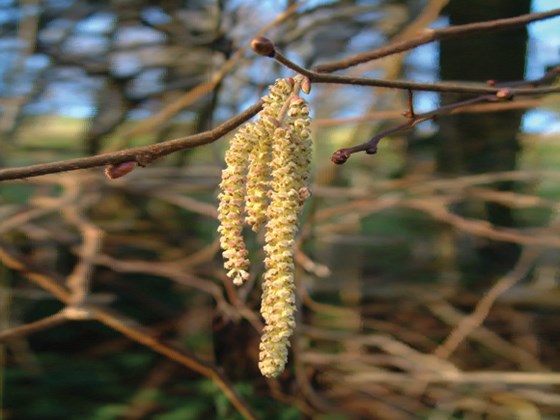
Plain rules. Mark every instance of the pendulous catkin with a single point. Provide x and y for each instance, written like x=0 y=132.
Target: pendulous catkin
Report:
x=232 y=205
x=258 y=176
x=266 y=178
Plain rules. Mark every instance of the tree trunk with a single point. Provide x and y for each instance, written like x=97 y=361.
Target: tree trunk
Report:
x=483 y=143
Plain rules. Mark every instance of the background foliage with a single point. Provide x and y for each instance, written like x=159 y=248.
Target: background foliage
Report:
x=428 y=273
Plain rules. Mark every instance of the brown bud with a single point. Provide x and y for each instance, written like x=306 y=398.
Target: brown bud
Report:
x=119 y=169
x=263 y=46
x=305 y=85
x=340 y=156
x=491 y=82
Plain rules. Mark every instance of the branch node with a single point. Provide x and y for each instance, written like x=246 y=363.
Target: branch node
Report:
x=144 y=159
x=407 y=114
x=77 y=313
x=410 y=114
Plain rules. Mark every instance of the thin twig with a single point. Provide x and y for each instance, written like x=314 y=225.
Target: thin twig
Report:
x=488 y=93
x=370 y=146
x=478 y=108
x=438 y=210
x=130 y=329
x=487 y=377
x=432 y=35
x=33 y=327
x=78 y=281
x=203 y=89
x=142 y=155
x=482 y=309
x=483 y=228
x=493 y=341
x=445 y=87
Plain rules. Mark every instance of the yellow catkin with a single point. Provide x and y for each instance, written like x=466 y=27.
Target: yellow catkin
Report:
x=291 y=158
x=245 y=181
x=258 y=178
x=232 y=203
x=266 y=178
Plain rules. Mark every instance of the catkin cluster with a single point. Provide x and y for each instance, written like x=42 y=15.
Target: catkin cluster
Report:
x=265 y=184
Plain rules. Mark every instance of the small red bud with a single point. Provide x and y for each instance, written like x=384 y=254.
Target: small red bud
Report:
x=504 y=94
x=119 y=169
x=491 y=82
x=340 y=156
x=306 y=85
x=263 y=46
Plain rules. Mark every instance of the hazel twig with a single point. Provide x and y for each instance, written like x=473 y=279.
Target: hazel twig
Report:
x=264 y=46
x=370 y=146
x=432 y=35
x=142 y=155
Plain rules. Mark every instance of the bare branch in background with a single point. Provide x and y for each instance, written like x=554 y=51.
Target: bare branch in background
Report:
x=387 y=327
x=145 y=155
x=33 y=327
x=433 y=35
x=127 y=327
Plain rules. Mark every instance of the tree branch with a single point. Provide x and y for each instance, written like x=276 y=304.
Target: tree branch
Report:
x=432 y=35
x=141 y=155
x=445 y=87
x=263 y=46
x=32 y=327
x=127 y=327
x=370 y=146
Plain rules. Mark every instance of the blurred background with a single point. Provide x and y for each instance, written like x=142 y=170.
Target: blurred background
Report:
x=427 y=273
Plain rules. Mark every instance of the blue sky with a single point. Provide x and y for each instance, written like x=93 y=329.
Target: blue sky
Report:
x=544 y=50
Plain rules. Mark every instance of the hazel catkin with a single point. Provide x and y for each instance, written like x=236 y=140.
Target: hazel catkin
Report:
x=266 y=180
